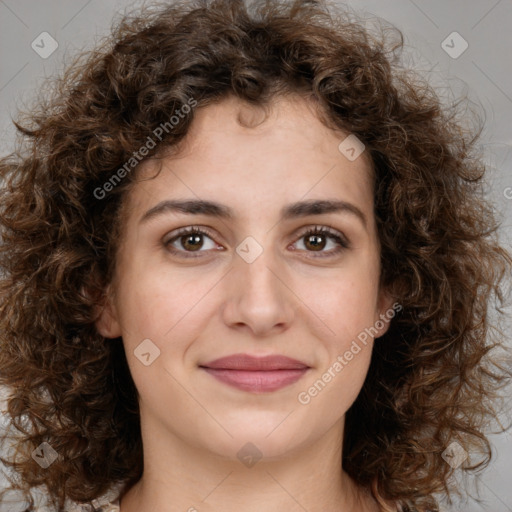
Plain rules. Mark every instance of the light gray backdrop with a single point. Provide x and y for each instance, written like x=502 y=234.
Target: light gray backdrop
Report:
x=464 y=46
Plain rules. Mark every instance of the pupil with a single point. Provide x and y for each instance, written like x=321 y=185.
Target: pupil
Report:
x=196 y=239
x=316 y=243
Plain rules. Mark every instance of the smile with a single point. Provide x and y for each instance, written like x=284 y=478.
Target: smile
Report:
x=255 y=373
x=257 y=381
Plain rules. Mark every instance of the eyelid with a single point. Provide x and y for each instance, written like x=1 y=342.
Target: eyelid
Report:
x=180 y=232
x=339 y=237
x=176 y=233
x=325 y=229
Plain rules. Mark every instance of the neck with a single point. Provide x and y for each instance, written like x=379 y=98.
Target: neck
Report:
x=181 y=477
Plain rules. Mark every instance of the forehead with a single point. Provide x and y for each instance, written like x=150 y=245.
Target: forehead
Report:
x=282 y=152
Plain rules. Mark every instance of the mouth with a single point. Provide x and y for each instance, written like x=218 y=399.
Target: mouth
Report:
x=256 y=374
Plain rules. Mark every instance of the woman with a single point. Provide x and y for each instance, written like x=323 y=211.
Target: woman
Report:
x=247 y=264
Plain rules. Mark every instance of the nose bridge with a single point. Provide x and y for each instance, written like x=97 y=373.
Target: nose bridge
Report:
x=256 y=265
x=258 y=295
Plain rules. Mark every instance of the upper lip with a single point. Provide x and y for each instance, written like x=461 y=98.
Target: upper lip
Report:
x=251 y=363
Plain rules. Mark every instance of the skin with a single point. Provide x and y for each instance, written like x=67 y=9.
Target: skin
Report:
x=288 y=301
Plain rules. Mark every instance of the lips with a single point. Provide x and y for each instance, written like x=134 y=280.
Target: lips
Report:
x=256 y=374
x=246 y=362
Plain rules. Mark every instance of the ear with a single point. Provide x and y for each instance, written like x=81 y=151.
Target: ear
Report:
x=387 y=309
x=107 y=319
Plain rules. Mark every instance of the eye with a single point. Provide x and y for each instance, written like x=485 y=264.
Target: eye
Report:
x=190 y=240
x=317 y=239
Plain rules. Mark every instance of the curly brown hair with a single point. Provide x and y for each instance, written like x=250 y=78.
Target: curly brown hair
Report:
x=435 y=375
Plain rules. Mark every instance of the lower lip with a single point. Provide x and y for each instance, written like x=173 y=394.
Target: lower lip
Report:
x=257 y=381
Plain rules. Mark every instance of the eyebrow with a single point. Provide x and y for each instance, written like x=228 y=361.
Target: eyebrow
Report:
x=213 y=209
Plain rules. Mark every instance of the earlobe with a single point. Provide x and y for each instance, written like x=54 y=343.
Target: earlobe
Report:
x=386 y=312
x=106 y=321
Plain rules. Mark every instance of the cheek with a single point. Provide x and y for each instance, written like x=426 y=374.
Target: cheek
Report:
x=347 y=312
x=345 y=304
x=143 y=294
x=161 y=305
x=343 y=362
x=338 y=380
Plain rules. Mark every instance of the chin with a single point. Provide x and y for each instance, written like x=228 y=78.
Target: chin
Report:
x=251 y=440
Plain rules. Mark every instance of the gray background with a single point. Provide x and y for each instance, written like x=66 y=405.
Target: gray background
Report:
x=483 y=72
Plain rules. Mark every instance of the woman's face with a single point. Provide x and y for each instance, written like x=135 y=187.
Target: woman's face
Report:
x=255 y=284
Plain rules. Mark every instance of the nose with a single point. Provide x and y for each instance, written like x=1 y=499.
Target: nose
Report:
x=257 y=296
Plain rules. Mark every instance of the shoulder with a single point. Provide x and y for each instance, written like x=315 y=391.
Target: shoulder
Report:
x=108 y=502
x=111 y=506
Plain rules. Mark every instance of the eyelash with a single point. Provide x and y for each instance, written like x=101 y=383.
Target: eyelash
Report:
x=317 y=230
